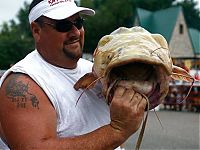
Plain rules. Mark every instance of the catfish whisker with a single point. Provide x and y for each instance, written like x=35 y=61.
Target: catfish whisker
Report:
x=88 y=88
x=158 y=119
x=141 y=135
x=192 y=83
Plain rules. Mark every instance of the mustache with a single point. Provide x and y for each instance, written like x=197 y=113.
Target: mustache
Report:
x=72 y=40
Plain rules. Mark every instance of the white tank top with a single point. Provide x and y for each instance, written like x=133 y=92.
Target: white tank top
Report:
x=91 y=111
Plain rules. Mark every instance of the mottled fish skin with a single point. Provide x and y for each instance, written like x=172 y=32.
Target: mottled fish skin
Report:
x=133 y=51
x=134 y=58
x=135 y=45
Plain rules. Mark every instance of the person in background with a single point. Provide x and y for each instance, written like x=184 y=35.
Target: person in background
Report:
x=184 y=67
x=38 y=102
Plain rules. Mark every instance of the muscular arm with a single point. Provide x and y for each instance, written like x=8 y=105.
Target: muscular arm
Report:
x=28 y=119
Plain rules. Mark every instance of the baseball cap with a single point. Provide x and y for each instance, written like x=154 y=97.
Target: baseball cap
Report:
x=57 y=9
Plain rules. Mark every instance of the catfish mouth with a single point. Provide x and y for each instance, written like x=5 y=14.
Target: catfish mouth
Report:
x=139 y=76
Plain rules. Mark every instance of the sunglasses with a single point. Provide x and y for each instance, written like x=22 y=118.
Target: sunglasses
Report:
x=65 y=25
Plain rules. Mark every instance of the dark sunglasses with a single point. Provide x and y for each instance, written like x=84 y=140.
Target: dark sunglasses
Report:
x=65 y=25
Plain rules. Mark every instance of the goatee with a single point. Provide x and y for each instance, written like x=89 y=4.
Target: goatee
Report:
x=70 y=53
x=73 y=55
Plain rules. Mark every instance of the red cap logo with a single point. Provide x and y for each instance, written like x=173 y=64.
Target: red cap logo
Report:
x=54 y=2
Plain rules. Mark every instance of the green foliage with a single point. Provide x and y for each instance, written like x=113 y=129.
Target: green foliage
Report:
x=153 y=5
x=109 y=16
x=15 y=39
x=191 y=13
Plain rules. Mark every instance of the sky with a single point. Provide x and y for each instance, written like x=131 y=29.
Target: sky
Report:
x=10 y=8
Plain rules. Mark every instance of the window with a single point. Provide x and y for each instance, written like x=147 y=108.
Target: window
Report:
x=181 y=28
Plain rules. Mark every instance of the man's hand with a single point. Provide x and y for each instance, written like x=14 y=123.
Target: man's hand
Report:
x=127 y=111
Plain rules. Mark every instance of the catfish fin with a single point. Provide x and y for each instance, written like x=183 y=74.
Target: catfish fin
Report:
x=86 y=81
x=179 y=73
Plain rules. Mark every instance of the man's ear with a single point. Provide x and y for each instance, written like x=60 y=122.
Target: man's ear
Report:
x=36 y=30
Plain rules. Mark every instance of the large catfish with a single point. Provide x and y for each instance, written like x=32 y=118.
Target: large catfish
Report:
x=134 y=58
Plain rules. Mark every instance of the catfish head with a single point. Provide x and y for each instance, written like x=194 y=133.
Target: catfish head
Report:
x=133 y=58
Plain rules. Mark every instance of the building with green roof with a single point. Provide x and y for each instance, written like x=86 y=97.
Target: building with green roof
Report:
x=183 y=42
x=195 y=38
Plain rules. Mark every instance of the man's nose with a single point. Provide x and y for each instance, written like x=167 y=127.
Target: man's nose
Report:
x=74 y=30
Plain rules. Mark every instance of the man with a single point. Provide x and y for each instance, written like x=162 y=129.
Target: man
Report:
x=38 y=102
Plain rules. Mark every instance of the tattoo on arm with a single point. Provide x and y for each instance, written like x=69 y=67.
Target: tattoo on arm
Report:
x=18 y=92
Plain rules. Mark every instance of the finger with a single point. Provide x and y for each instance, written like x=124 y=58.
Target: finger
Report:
x=126 y=84
x=143 y=103
x=119 y=92
x=136 y=99
x=128 y=94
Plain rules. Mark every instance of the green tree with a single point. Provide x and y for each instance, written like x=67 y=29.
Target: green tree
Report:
x=109 y=16
x=15 y=39
x=112 y=14
x=191 y=13
x=153 y=5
